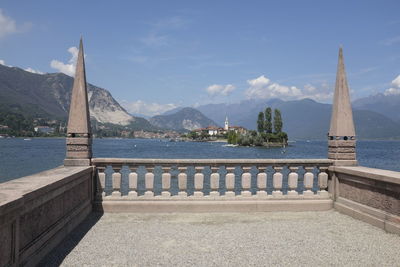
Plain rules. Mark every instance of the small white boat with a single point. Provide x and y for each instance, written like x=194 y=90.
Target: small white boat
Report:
x=27 y=139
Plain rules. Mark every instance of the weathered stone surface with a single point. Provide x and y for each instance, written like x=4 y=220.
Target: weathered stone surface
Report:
x=293 y=178
x=149 y=180
x=78 y=141
x=342 y=143
x=52 y=204
x=342 y=116
x=132 y=179
x=198 y=181
x=77 y=162
x=79 y=131
x=230 y=181
x=246 y=180
x=7 y=246
x=214 y=181
x=342 y=156
x=262 y=180
x=79 y=118
x=182 y=181
x=342 y=150
x=277 y=180
x=166 y=181
x=372 y=196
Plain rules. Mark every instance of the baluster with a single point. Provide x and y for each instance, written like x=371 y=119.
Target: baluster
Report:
x=261 y=181
x=198 y=182
x=149 y=182
x=323 y=182
x=308 y=181
x=230 y=182
x=116 y=181
x=182 y=182
x=246 y=182
x=166 y=182
x=132 y=180
x=293 y=180
x=277 y=179
x=101 y=183
x=214 y=182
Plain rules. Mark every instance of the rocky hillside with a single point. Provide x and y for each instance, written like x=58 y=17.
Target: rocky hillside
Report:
x=183 y=119
x=48 y=96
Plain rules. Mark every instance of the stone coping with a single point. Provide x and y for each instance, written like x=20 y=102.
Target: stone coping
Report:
x=14 y=192
x=370 y=173
x=219 y=162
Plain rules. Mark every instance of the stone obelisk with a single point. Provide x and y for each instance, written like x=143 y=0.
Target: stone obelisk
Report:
x=342 y=135
x=79 y=134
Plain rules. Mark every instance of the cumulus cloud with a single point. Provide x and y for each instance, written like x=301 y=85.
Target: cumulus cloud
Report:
x=67 y=68
x=219 y=89
x=9 y=26
x=147 y=109
x=395 y=90
x=262 y=87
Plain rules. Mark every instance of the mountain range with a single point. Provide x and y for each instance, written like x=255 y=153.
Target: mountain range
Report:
x=48 y=96
x=306 y=118
x=182 y=119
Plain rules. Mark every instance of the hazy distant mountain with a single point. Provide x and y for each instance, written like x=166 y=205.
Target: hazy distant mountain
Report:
x=388 y=105
x=303 y=119
x=182 y=119
x=48 y=96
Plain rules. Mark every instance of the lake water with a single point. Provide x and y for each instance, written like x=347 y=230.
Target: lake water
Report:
x=19 y=157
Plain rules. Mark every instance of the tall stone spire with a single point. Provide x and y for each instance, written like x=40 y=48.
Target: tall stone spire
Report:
x=79 y=135
x=342 y=135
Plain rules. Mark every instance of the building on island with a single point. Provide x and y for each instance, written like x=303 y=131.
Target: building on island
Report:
x=214 y=131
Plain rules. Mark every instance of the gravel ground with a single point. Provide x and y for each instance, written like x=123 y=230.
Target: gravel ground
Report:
x=226 y=239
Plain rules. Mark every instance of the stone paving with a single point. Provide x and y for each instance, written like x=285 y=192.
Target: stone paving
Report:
x=226 y=239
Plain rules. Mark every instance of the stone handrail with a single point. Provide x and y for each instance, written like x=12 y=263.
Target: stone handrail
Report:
x=203 y=179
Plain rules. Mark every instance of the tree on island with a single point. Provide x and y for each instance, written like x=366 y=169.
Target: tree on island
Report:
x=268 y=120
x=264 y=135
x=260 y=122
x=277 y=121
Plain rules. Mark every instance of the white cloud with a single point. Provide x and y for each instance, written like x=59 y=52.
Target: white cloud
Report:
x=219 y=89
x=262 y=87
x=67 y=68
x=2 y=62
x=396 y=81
x=392 y=91
x=395 y=90
x=34 y=71
x=147 y=109
x=9 y=26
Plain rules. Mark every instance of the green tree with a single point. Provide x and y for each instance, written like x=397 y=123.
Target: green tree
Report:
x=277 y=121
x=268 y=120
x=260 y=122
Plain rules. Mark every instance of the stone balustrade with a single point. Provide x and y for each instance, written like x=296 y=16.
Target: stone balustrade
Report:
x=202 y=179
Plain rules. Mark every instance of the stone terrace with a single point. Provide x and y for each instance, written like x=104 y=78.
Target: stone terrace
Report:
x=324 y=238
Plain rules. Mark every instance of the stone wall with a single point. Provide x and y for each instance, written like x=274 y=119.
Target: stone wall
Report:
x=371 y=195
x=38 y=211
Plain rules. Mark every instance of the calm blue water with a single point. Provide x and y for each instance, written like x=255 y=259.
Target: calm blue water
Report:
x=20 y=158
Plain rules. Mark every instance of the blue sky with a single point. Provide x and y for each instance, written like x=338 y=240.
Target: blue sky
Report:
x=154 y=55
